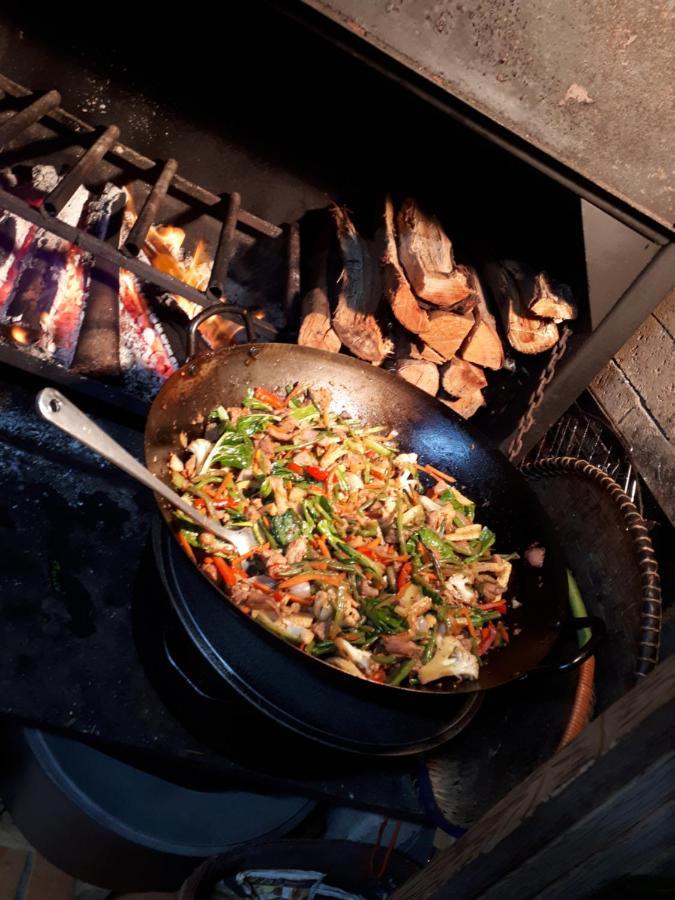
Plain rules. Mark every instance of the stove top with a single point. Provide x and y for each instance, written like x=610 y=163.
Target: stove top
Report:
x=78 y=618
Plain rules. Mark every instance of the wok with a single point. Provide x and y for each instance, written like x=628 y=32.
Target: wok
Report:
x=425 y=426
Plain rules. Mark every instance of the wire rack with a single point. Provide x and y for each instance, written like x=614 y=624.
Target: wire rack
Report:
x=584 y=435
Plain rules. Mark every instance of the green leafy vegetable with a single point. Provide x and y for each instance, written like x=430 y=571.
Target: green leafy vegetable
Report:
x=285 y=527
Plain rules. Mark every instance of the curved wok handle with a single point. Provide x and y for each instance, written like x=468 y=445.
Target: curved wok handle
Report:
x=55 y=408
x=597 y=628
x=217 y=309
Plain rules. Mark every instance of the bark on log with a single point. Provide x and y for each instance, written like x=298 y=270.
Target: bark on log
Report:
x=425 y=252
x=316 y=329
x=510 y=286
x=359 y=295
x=395 y=286
x=552 y=300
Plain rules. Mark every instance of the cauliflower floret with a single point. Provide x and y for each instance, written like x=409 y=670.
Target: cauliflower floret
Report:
x=200 y=448
x=460 y=587
x=451 y=659
x=361 y=658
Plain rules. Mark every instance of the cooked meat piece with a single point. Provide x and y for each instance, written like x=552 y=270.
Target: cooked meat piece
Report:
x=296 y=550
x=265 y=444
x=305 y=436
x=401 y=645
x=366 y=589
x=305 y=458
x=210 y=570
x=245 y=593
x=236 y=412
x=280 y=497
x=275 y=561
x=321 y=630
x=535 y=555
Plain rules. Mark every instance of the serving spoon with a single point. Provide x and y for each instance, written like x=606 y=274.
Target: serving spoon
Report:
x=55 y=408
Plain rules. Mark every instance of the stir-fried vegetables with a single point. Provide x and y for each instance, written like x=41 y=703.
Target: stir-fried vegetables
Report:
x=357 y=553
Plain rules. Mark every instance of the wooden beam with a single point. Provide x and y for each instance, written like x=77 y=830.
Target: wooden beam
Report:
x=564 y=819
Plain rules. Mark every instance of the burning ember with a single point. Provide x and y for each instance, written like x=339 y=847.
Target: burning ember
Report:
x=20 y=335
x=44 y=286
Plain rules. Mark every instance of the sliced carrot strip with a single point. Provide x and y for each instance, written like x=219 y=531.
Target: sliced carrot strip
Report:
x=182 y=540
x=432 y=470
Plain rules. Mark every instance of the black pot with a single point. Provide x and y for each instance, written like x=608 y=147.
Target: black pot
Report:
x=116 y=826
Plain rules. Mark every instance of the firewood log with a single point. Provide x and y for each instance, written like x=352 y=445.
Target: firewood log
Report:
x=424 y=351
x=425 y=252
x=360 y=292
x=460 y=378
x=466 y=406
x=315 y=328
x=510 y=284
x=395 y=286
x=483 y=346
x=446 y=332
x=552 y=300
x=420 y=372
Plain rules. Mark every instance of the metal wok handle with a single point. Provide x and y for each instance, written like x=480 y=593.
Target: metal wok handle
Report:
x=217 y=309
x=55 y=408
x=597 y=627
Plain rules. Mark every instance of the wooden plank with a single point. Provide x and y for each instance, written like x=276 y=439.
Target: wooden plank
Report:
x=649 y=838
x=632 y=735
x=650 y=449
x=579 y=856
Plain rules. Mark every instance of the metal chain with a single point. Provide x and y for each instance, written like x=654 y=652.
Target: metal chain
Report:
x=526 y=421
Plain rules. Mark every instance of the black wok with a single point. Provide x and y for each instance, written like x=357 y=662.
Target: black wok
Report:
x=425 y=426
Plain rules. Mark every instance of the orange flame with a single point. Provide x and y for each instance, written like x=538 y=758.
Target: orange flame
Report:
x=19 y=334
x=164 y=248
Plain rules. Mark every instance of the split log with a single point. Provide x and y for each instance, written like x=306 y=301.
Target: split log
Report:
x=359 y=295
x=315 y=327
x=446 y=332
x=483 y=346
x=466 y=406
x=426 y=254
x=395 y=286
x=460 y=378
x=420 y=372
x=424 y=351
x=316 y=330
x=552 y=300
x=526 y=333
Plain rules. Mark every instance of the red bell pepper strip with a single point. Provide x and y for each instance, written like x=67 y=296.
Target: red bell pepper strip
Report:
x=316 y=473
x=404 y=576
x=269 y=398
x=294 y=467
